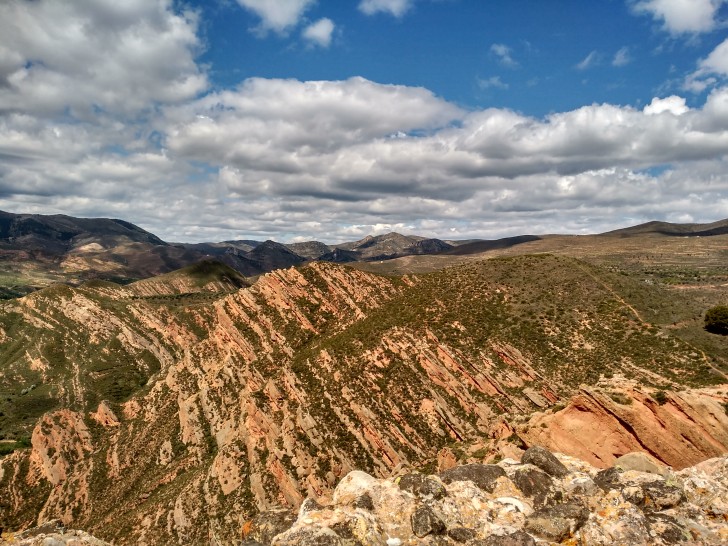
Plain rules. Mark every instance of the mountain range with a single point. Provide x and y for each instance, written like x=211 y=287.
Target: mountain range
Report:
x=41 y=249
x=179 y=406
x=37 y=250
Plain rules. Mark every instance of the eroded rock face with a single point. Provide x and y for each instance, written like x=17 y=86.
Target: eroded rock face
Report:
x=485 y=476
x=258 y=399
x=687 y=428
x=627 y=507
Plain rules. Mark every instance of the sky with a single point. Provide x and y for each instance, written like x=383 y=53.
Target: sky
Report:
x=295 y=120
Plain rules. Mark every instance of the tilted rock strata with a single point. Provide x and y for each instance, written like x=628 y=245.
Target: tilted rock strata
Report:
x=683 y=430
x=261 y=398
x=493 y=505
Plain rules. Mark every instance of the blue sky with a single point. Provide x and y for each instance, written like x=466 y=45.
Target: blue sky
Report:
x=330 y=120
x=517 y=54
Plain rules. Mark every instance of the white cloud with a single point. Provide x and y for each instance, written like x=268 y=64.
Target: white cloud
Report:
x=588 y=61
x=673 y=104
x=312 y=117
x=396 y=8
x=682 y=16
x=102 y=113
x=717 y=61
x=329 y=139
x=284 y=158
x=715 y=64
x=320 y=32
x=267 y=158
x=277 y=15
x=492 y=82
x=504 y=55
x=85 y=56
x=622 y=57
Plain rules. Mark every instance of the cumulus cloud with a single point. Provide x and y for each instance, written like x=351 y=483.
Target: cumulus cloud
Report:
x=277 y=15
x=324 y=140
x=101 y=55
x=714 y=66
x=682 y=16
x=588 y=61
x=673 y=104
x=104 y=112
x=396 y=8
x=717 y=61
x=622 y=57
x=504 y=55
x=285 y=158
x=320 y=32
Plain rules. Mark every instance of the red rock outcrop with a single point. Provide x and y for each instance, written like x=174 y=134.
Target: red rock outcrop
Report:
x=685 y=428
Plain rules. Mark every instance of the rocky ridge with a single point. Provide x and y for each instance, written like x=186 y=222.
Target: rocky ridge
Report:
x=543 y=499
x=681 y=428
x=159 y=420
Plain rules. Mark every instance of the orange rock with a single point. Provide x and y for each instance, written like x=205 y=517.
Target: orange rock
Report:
x=690 y=427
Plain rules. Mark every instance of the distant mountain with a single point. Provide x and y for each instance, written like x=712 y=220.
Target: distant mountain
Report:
x=36 y=250
x=246 y=245
x=340 y=256
x=58 y=233
x=271 y=255
x=225 y=247
x=477 y=247
x=381 y=247
x=428 y=246
x=63 y=248
x=311 y=250
x=666 y=228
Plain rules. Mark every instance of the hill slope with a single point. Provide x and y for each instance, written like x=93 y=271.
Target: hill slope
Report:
x=58 y=233
x=681 y=230
x=201 y=413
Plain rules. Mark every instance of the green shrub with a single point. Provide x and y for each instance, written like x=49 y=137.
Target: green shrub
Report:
x=660 y=397
x=620 y=398
x=716 y=320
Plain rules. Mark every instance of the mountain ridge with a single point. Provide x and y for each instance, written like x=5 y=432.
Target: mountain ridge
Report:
x=719 y=227
x=36 y=250
x=203 y=412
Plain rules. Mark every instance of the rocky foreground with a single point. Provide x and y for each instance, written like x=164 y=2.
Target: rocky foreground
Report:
x=543 y=499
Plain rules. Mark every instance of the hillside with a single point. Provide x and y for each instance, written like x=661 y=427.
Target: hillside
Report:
x=180 y=418
x=680 y=230
x=207 y=276
x=54 y=234
x=37 y=250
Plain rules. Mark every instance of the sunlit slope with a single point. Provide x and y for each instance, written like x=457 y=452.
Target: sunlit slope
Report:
x=202 y=408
